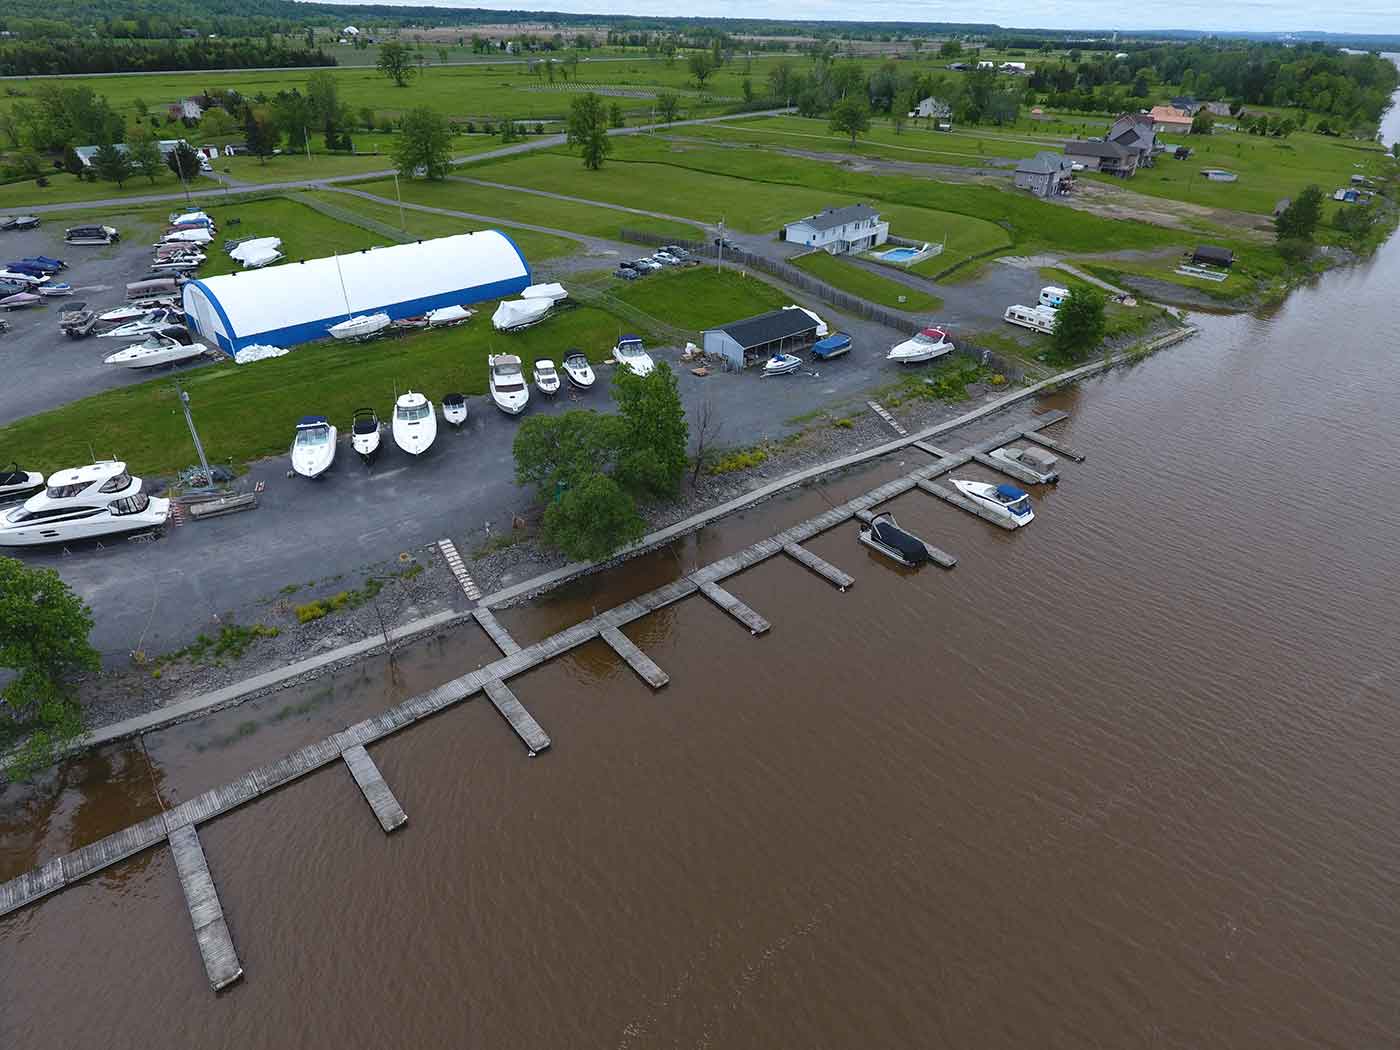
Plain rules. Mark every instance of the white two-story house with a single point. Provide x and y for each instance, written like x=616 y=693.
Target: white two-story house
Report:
x=854 y=228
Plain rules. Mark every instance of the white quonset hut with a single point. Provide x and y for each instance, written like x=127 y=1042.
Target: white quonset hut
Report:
x=296 y=302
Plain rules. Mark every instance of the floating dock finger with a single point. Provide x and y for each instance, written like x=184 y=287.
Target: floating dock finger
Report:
x=636 y=659
x=386 y=807
x=524 y=724
x=734 y=607
x=819 y=565
x=215 y=945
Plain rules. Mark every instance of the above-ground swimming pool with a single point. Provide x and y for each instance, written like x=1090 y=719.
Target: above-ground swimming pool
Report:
x=900 y=255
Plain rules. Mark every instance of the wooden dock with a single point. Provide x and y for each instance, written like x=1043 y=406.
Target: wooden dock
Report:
x=957 y=499
x=734 y=607
x=932 y=450
x=215 y=945
x=504 y=642
x=386 y=807
x=819 y=565
x=636 y=659
x=1034 y=434
x=1011 y=470
x=524 y=724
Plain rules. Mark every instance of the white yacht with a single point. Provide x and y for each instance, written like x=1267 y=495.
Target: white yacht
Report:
x=928 y=344
x=153 y=351
x=629 y=353
x=508 y=387
x=82 y=503
x=415 y=423
x=313 y=449
x=150 y=321
x=1006 y=501
x=18 y=483
x=454 y=409
x=546 y=377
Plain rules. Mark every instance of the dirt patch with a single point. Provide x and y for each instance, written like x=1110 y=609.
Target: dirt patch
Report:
x=1117 y=202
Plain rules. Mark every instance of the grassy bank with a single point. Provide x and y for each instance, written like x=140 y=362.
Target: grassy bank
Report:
x=701 y=297
x=849 y=277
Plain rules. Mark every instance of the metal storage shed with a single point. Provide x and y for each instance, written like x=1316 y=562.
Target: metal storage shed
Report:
x=741 y=343
x=296 y=302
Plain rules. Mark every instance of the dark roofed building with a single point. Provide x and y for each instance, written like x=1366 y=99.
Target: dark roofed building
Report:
x=1111 y=158
x=1137 y=132
x=1045 y=174
x=1210 y=255
x=742 y=343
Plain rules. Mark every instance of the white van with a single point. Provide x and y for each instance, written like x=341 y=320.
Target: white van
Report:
x=1053 y=297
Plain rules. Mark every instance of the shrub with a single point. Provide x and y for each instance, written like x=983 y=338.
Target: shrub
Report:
x=744 y=459
x=1294 y=250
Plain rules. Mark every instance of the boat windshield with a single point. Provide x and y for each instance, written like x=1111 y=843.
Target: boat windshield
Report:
x=928 y=337
x=411 y=412
x=510 y=387
x=313 y=436
x=131 y=505
x=1020 y=507
x=546 y=373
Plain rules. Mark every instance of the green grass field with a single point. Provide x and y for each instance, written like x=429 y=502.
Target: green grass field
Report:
x=700 y=297
x=847 y=276
x=64 y=188
x=245 y=412
x=305 y=233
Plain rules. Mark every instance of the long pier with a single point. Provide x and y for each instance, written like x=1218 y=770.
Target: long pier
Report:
x=178 y=825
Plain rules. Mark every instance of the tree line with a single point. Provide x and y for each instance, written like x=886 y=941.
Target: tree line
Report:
x=59 y=57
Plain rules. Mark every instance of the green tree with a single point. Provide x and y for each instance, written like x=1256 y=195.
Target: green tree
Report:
x=1395 y=149
x=112 y=163
x=396 y=62
x=323 y=99
x=702 y=64
x=509 y=131
x=592 y=520
x=615 y=117
x=588 y=130
x=1079 y=324
x=43 y=643
x=72 y=163
x=652 y=456
x=218 y=124
x=367 y=118
x=1203 y=123
x=183 y=161
x=668 y=107
x=557 y=452
x=139 y=104
x=1299 y=220
x=850 y=116
x=259 y=133
x=424 y=144
x=144 y=152
x=950 y=49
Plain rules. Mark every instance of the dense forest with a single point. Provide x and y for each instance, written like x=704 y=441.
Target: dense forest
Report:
x=34 y=57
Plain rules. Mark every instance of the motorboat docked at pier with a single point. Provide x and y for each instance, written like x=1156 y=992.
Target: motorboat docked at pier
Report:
x=928 y=344
x=1006 y=501
x=454 y=409
x=100 y=499
x=629 y=353
x=546 y=377
x=361 y=326
x=782 y=365
x=1036 y=461
x=415 y=423
x=364 y=433
x=882 y=533
x=577 y=369
x=18 y=483
x=155 y=350
x=313 y=448
x=508 y=388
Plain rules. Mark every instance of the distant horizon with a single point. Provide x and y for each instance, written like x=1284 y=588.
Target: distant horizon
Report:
x=1283 y=17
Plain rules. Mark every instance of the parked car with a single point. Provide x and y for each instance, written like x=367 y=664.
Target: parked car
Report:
x=666 y=259
x=626 y=273
x=676 y=250
x=725 y=242
x=646 y=265
x=627 y=265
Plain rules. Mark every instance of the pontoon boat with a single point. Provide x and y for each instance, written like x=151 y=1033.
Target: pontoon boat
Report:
x=153 y=351
x=362 y=326
x=546 y=378
x=928 y=344
x=415 y=423
x=629 y=353
x=84 y=502
x=507 y=381
x=782 y=365
x=313 y=449
x=883 y=534
x=454 y=409
x=1006 y=501
x=91 y=234
x=18 y=483
x=578 y=370
x=364 y=433
x=1035 y=460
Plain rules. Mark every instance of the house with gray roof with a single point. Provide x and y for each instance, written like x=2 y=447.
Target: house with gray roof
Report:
x=1045 y=174
x=1111 y=158
x=1136 y=131
x=853 y=228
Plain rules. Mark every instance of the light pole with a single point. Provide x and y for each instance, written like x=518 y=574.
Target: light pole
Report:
x=402 y=225
x=198 y=446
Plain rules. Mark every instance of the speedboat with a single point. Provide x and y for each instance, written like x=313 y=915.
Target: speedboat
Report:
x=364 y=433
x=454 y=409
x=409 y=324
x=578 y=370
x=361 y=326
x=514 y=314
x=928 y=344
x=155 y=350
x=19 y=301
x=882 y=533
x=134 y=311
x=30 y=267
x=25 y=222
x=507 y=381
x=546 y=378
x=313 y=449
x=781 y=365
x=50 y=290
x=48 y=262
x=29 y=280
x=1034 y=460
x=415 y=424
x=178 y=264
x=91 y=234
x=1006 y=501
x=447 y=315
x=191 y=235
x=81 y=503
x=18 y=483
x=629 y=353
x=190 y=218
x=151 y=321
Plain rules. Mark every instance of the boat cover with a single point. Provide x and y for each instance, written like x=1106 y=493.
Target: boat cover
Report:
x=552 y=292
x=1010 y=493
x=515 y=313
x=258 y=252
x=448 y=315
x=258 y=352
x=839 y=341
x=891 y=535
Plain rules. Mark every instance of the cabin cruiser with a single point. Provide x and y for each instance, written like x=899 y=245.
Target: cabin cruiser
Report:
x=1006 y=501
x=364 y=433
x=134 y=311
x=18 y=483
x=19 y=301
x=415 y=423
x=454 y=409
x=928 y=344
x=546 y=377
x=155 y=350
x=514 y=314
x=313 y=449
x=782 y=365
x=81 y=503
x=1034 y=461
x=578 y=370
x=507 y=381
x=91 y=234
x=361 y=326
x=882 y=533
x=151 y=321
x=629 y=353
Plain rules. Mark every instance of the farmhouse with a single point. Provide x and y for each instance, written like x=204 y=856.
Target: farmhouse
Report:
x=836 y=231
x=1169 y=118
x=754 y=339
x=1045 y=174
x=932 y=109
x=1111 y=158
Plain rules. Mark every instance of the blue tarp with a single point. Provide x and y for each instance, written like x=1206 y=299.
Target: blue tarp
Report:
x=1009 y=492
x=831 y=344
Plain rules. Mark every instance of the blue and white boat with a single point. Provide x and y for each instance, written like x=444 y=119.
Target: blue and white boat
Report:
x=1006 y=501
x=781 y=365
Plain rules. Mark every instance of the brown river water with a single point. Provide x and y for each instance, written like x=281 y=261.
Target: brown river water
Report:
x=1129 y=777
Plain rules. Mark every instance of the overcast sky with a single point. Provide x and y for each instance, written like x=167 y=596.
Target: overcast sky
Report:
x=1365 y=16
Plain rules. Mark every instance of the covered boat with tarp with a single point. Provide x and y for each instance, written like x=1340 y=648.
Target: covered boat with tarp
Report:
x=883 y=534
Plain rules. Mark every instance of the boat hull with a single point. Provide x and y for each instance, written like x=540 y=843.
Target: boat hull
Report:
x=38 y=534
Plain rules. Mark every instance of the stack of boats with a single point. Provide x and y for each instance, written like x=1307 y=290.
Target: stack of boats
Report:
x=29 y=281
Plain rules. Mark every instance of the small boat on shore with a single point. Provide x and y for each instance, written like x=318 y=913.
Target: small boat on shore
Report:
x=630 y=355
x=546 y=377
x=508 y=388
x=415 y=423
x=1005 y=501
x=50 y=291
x=454 y=409
x=364 y=433
x=18 y=483
x=361 y=326
x=832 y=346
x=19 y=301
x=445 y=316
x=100 y=499
x=91 y=234
x=782 y=365
x=515 y=314
x=76 y=320
x=883 y=534
x=577 y=370
x=149 y=321
x=313 y=448
x=928 y=344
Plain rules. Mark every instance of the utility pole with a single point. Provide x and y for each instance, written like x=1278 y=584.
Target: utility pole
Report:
x=402 y=224
x=198 y=446
x=306 y=141
x=719 y=246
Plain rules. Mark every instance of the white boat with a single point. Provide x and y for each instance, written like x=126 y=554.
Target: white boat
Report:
x=514 y=314
x=82 y=503
x=153 y=351
x=149 y=322
x=29 y=280
x=18 y=483
x=1036 y=318
x=62 y=288
x=313 y=449
x=447 y=315
x=361 y=326
x=546 y=377
x=189 y=218
x=553 y=292
x=178 y=264
x=508 y=388
x=928 y=344
x=629 y=353
x=578 y=370
x=782 y=365
x=196 y=235
x=883 y=534
x=1006 y=501
x=454 y=409
x=364 y=433
x=1035 y=461
x=258 y=252
x=20 y=300
x=415 y=423
x=133 y=311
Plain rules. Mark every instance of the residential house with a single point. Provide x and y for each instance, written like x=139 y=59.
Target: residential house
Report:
x=1169 y=118
x=1218 y=109
x=1046 y=174
x=186 y=109
x=1187 y=105
x=1137 y=132
x=87 y=153
x=836 y=231
x=932 y=109
x=1111 y=158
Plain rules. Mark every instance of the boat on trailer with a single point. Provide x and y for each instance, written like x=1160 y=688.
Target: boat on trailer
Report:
x=49 y=291
x=361 y=326
x=782 y=365
x=1005 y=501
x=882 y=533
x=364 y=433
x=832 y=346
x=928 y=344
x=155 y=350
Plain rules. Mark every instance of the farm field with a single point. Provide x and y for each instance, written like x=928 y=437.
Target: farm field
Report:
x=848 y=277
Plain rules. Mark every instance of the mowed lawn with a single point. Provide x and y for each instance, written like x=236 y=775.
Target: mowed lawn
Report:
x=305 y=233
x=64 y=188
x=246 y=412
x=700 y=296
x=849 y=277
